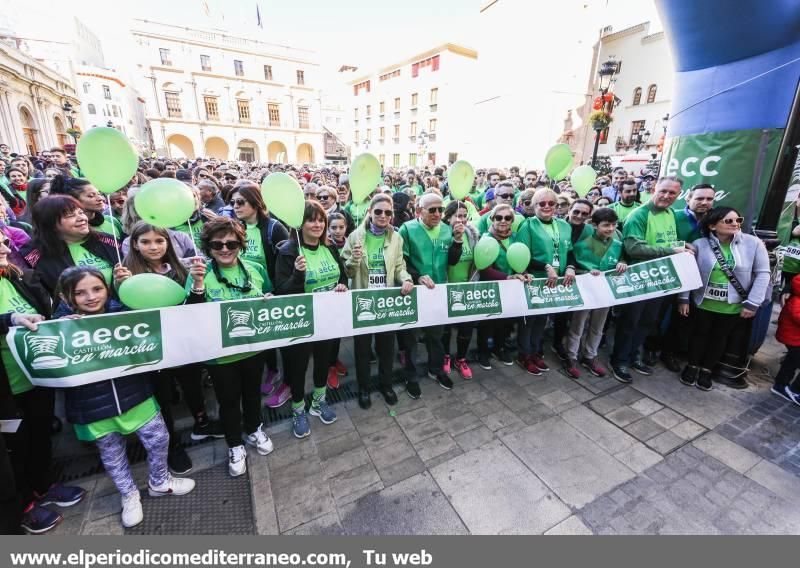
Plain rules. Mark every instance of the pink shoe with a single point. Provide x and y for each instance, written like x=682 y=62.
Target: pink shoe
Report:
x=463 y=369
x=446 y=365
x=279 y=397
x=341 y=369
x=272 y=381
x=333 y=378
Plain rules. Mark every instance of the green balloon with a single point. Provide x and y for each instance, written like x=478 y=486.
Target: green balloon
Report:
x=558 y=161
x=284 y=198
x=107 y=158
x=148 y=291
x=486 y=252
x=519 y=257
x=460 y=178
x=582 y=179
x=365 y=176
x=164 y=202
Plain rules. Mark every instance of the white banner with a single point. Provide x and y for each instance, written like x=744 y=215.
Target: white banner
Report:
x=65 y=353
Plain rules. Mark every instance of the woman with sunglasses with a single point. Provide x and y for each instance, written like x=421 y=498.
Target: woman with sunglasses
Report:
x=308 y=263
x=550 y=242
x=498 y=329
x=328 y=198
x=237 y=378
x=373 y=258
x=734 y=268
x=463 y=271
x=525 y=204
x=593 y=194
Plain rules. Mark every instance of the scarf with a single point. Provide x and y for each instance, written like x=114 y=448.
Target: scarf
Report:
x=377 y=231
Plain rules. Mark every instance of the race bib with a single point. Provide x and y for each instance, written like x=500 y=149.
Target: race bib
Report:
x=792 y=251
x=377 y=279
x=718 y=292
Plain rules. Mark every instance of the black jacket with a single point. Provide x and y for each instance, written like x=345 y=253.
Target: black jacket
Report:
x=50 y=267
x=29 y=287
x=290 y=281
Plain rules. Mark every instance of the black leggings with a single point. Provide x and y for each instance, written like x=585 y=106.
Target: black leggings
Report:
x=498 y=329
x=238 y=389
x=188 y=377
x=463 y=338
x=790 y=364
x=29 y=447
x=295 y=362
x=710 y=334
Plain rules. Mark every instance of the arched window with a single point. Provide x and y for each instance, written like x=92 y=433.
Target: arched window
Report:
x=91 y=109
x=651 y=93
x=637 y=96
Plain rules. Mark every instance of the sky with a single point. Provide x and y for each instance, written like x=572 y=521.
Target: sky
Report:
x=364 y=33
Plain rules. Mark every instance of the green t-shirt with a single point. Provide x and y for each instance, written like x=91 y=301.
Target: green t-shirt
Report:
x=358 y=211
x=106 y=227
x=501 y=262
x=433 y=233
x=12 y=301
x=460 y=272
x=322 y=270
x=661 y=230
x=791 y=265
x=376 y=264
x=716 y=295
x=82 y=257
x=255 y=250
x=126 y=423
x=193 y=232
x=623 y=211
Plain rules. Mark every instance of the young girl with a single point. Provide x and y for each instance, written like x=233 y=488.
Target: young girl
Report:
x=337 y=229
x=151 y=251
x=106 y=411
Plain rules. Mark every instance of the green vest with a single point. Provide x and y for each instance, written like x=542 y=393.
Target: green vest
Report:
x=428 y=257
x=538 y=237
x=593 y=254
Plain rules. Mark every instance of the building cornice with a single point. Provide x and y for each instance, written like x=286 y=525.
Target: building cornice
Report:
x=100 y=76
x=638 y=28
x=54 y=77
x=216 y=124
x=451 y=47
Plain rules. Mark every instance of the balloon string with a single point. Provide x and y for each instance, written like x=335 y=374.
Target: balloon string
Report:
x=191 y=233
x=114 y=232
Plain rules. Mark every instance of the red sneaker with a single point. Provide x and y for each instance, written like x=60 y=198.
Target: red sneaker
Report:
x=463 y=369
x=594 y=367
x=333 y=378
x=341 y=370
x=528 y=364
x=538 y=360
x=571 y=368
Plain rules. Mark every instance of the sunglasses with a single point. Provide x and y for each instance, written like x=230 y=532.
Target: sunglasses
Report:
x=546 y=204
x=527 y=203
x=578 y=213
x=230 y=245
x=381 y=212
x=506 y=218
x=505 y=195
x=434 y=210
x=737 y=221
x=239 y=202
x=324 y=197
x=203 y=176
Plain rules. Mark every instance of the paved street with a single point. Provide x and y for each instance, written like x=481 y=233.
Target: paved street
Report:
x=505 y=453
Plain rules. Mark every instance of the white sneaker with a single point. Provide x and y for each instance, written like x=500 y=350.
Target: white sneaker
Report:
x=260 y=440
x=132 y=513
x=172 y=486
x=237 y=461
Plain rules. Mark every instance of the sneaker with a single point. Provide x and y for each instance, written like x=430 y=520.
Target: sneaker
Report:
x=341 y=369
x=279 y=397
x=132 y=513
x=333 y=378
x=38 y=520
x=300 y=425
x=594 y=367
x=571 y=369
x=389 y=396
x=260 y=440
x=704 y=380
x=178 y=461
x=559 y=350
x=237 y=461
x=61 y=496
x=412 y=389
x=621 y=373
x=483 y=361
x=463 y=369
x=786 y=393
x=322 y=410
x=503 y=356
x=670 y=362
x=443 y=380
x=172 y=486
x=272 y=382
x=539 y=361
x=364 y=400
x=207 y=429
x=527 y=363
x=650 y=357
x=642 y=368
x=689 y=375
x=446 y=365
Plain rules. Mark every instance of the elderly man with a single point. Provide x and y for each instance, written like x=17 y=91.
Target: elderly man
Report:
x=429 y=247
x=650 y=232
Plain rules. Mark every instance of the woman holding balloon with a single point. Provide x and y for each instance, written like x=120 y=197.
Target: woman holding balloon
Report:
x=493 y=256
x=92 y=202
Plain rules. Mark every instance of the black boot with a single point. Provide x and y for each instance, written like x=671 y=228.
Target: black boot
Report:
x=704 y=380
x=689 y=375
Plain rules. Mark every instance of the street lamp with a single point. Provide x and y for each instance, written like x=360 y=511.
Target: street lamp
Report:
x=606 y=72
x=422 y=140
x=69 y=112
x=110 y=124
x=640 y=139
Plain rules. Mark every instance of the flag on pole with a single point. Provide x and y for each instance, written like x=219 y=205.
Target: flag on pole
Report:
x=259 y=23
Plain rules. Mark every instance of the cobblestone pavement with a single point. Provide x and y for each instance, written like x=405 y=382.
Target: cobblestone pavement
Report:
x=504 y=453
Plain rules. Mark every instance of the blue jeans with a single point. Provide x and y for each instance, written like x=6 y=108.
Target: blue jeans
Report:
x=530 y=331
x=633 y=325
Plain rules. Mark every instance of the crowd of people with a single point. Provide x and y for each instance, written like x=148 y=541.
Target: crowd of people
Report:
x=65 y=249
